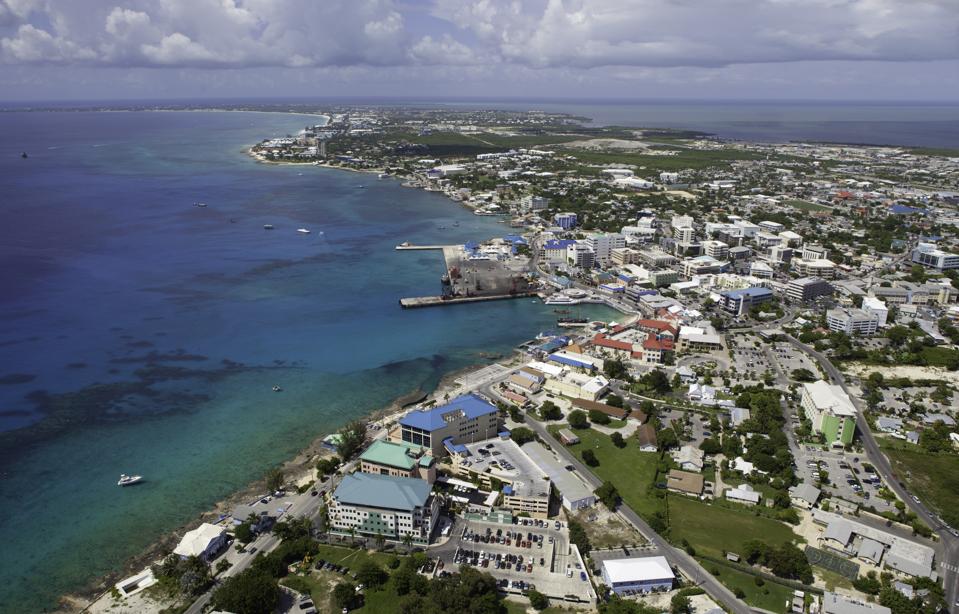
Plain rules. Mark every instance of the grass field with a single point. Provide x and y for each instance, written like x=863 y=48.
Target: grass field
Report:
x=712 y=530
x=939 y=356
x=933 y=477
x=805 y=205
x=770 y=596
x=629 y=469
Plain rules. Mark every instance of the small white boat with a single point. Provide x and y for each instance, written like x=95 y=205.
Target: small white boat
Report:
x=277 y=389
x=129 y=480
x=199 y=204
x=267 y=226
x=305 y=231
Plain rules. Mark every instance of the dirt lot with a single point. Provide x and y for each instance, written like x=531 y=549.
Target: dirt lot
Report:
x=607 y=530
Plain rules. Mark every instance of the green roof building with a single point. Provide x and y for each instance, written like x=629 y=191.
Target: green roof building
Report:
x=398 y=459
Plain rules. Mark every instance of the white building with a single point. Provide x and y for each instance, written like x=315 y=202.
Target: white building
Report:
x=603 y=245
x=852 y=321
x=928 y=255
x=205 y=541
x=580 y=255
x=744 y=493
x=576 y=495
x=641 y=574
x=682 y=226
x=533 y=203
x=716 y=249
x=577 y=385
x=875 y=306
x=831 y=412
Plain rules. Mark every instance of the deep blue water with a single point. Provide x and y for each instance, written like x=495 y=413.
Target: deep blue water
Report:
x=139 y=333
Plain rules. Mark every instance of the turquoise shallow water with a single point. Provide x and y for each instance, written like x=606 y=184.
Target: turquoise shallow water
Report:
x=141 y=334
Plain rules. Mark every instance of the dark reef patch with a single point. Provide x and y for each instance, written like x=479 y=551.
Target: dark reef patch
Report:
x=12 y=379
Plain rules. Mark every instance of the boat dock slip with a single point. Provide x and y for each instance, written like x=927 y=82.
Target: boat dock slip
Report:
x=436 y=301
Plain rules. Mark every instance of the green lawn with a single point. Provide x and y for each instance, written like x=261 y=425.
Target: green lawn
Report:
x=933 y=477
x=629 y=469
x=770 y=596
x=711 y=529
x=351 y=557
x=805 y=205
x=937 y=356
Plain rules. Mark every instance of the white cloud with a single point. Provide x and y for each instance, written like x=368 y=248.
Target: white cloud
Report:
x=445 y=50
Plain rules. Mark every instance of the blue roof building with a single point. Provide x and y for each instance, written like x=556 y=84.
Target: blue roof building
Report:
x=464 y=419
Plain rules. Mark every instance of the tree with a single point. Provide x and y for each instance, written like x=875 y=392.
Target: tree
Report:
x=577 y=536
x=617 y=439
x=326 y=466
x=344 y=596
x=275 y=479
x=248 y=592
x=656 y=380
x=897 y=335
x=803 y=375
x=549 y=411
x=868 y=583
x=614 y=400
x=352 y=438
x=680 y=604
x=608 y=494
x=293 y=528
x=598 y=417
x=667 y=438
x=522 y=435
x=538 y=600
x=711 y=445
x=577 y=419
x=590 y=458
x=615 y=368
x=371 y=575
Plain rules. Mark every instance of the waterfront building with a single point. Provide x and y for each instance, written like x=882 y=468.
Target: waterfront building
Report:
x=206 y=542
x=531 y=203
x=831 y=412
x=398 y=459
x=579 y=255
x=381 y=505
x=554 y=250
x=602 y=246
x=466 y=418
x=640 y=574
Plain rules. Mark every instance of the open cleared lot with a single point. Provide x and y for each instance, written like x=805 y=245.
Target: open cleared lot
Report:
x=712 y=530
x=933 y=477
x=632 y=471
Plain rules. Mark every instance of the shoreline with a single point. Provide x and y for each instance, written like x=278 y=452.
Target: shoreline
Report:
x=298 y=470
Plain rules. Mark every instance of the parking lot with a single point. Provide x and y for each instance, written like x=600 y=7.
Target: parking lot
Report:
x=522 y=557
x=848 y=478
x=790 y=359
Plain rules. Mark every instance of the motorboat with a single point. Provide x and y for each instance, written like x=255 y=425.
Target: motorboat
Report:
x=199 y=204
x=129 y=480
x=267 y=226
x=305 y=231
x=277 y=389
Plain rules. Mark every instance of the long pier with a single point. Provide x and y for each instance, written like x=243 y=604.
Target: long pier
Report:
x=437 y=301
x=420 y=247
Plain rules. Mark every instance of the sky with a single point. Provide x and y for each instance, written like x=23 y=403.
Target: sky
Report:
x=882 y=50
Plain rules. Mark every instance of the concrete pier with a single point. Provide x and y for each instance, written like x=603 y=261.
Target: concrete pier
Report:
x=421 y=247
x=436 y=301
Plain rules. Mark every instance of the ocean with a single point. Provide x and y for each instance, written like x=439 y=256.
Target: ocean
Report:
x=142 y=334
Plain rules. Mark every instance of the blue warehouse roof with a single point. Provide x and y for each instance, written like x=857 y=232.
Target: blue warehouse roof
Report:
x=432 y=419
x=558 y=243
x=382 y=491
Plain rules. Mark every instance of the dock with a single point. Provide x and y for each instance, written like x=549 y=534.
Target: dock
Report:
x=421 y=247
x=437 y=301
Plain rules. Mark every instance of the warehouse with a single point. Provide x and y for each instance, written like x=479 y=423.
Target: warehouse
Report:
x=576 y=495
x=643 y=574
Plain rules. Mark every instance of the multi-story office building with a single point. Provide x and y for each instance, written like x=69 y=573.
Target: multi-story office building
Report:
x=398 y=459
x=807 y=289
x=852 y=321
x=580 y=255
x=928 y=255
x=874 y=305
x=566 y=221
x=738 y=302
x=682 y=226
x=464 y=419
x=830 y=411
x=373 y=505
x=532 y=203
x=603 y=245
x=554 y=250
x=716 y=249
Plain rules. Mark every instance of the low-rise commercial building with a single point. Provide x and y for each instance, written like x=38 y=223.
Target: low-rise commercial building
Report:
x=398 y=459
x=641 y=574
x=577 y=385
x=206 y=541
x=501 y=465
x=684 y=482
x=575 y=494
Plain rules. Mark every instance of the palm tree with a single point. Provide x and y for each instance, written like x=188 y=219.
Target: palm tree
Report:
x=380 y=540
x=408 y=542
x=352 y=533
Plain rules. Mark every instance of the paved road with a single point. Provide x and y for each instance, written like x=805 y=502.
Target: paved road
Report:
x=687 y=564
x=950 y=544
x=302 y=505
